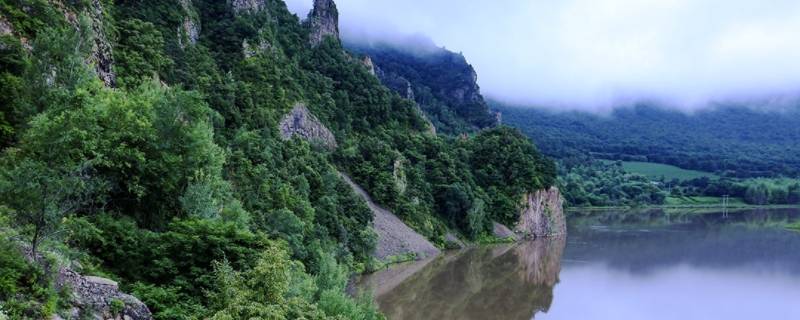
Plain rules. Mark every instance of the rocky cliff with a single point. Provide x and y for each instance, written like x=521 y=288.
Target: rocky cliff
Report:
x=542 y=214
x=102 y=56
x=99 y=298
x=442 y=82
x=323 y=21
x=301 y=123
x=242 y=6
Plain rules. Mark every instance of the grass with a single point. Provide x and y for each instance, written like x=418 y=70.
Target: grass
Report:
x=704 y=201
x=657 y=170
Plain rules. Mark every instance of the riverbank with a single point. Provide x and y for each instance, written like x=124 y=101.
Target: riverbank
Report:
x=704 y=206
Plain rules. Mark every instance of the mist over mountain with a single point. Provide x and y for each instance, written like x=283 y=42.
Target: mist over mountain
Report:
x=594 y=55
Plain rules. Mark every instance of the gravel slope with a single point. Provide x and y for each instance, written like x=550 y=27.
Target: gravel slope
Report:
x=394 y=236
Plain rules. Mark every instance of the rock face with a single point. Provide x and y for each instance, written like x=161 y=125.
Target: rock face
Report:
x=188 y=33
x=395 y=82
x=323 y=21
x=501 y=231
x=189 y=30
x=300 y=122
x=542 y=214
x=394 y=237
x=100 y=298
x=442 y=82
x=370 y=66
x=102 y=56
x=5 y=27
x=242 y=6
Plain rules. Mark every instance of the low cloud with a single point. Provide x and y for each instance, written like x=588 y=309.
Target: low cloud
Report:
x=594 y=54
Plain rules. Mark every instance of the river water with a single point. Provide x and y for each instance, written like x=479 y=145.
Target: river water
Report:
x=613 y=265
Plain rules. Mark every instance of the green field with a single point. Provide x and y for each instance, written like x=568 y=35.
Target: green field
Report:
x=701 y=201
x=658 y=170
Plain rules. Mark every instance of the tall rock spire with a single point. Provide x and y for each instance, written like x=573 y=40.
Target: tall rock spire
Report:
x=324 y=21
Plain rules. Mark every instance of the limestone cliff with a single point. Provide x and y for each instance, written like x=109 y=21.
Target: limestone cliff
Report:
x=301 y=123
x=323 y=21
x=542 y=214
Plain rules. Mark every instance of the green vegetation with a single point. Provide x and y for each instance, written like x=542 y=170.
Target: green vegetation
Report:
x=662 y=157
x=607 y=184
x=440 y=81
x=728 y=140
x=702 y=201
x=658 y=171
x=177 y=183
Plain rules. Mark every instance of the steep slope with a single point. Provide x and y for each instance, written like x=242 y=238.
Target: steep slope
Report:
x=195 y=179
x=443 y=83
x=395 y=238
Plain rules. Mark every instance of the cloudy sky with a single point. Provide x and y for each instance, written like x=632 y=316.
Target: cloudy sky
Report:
x=592 y=54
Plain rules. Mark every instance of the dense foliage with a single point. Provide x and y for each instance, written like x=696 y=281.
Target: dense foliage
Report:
x=597 y=183
x=440 y=81
x=177 y=182
x=735 y=146
x=732 y=141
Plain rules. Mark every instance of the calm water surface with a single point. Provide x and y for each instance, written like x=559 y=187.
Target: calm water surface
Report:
x=634 y=265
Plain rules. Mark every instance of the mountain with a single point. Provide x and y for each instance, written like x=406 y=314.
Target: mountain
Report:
x=441 y=82
x=729 y=140
x=197 y=152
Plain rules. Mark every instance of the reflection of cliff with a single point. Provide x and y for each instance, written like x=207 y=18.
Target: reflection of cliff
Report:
x=507 y=282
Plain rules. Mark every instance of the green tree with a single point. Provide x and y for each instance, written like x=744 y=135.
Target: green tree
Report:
x=139 y=53
x=41 y=196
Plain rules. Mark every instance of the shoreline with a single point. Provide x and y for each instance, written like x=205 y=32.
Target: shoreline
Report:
x=709 y=206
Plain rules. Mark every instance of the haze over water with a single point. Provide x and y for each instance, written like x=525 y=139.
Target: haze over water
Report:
x=613 y=266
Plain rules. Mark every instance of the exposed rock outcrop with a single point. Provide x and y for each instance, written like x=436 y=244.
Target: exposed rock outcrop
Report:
x=300 y=122
x=542 y=214
x=244 y=6
x=395 y=238
x=396 y=83
x=501 y=231
x=370 y=66
x=102 y=56
x=323 y=21
x=189 y=30
x=5 y=27
x=100 y=298
x=251 y=50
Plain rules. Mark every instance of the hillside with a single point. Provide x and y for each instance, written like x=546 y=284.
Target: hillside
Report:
x=192 y=151
x=442 y=82
x=733 y=141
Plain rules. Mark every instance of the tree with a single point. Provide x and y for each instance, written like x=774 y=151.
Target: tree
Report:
x=41 y=196
x=793 y=196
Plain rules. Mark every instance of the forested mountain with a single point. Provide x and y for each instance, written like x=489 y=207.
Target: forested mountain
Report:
x=733 y=141
x=737 y=146
x=141 y=142
x=442 y=82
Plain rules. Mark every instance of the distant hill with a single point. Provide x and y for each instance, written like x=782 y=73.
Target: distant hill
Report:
x=732 y=141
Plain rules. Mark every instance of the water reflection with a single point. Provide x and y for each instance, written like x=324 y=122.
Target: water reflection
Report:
x=515 y=281
x=650 y=264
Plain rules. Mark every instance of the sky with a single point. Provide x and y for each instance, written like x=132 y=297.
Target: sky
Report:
x=596 y=54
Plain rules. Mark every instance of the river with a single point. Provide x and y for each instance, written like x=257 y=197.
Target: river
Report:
x=613 y=265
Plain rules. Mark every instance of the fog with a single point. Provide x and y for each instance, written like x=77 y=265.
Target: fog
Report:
x=594 y=54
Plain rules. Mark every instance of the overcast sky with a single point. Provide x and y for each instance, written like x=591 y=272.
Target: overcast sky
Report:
x=592 y=54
